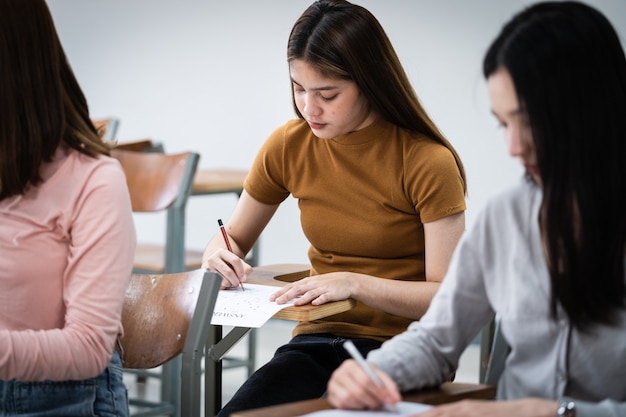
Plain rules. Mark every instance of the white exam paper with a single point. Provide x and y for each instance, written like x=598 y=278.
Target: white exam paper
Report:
x=403 y=409
x=250 y=307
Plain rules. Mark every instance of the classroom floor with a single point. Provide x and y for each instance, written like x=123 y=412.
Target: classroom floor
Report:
x=269 y=337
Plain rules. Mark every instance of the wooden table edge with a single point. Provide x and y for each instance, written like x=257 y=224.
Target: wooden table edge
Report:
x=217 y=181
x=281 y=274
x=447 y=392
x=309 y=312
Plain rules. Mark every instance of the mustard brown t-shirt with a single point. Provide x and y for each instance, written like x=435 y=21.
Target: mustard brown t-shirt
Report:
x=363 y=199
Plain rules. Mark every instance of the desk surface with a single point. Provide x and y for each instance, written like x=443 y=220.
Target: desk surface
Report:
x=215 y=181
x=280 y=274
x=448 y=392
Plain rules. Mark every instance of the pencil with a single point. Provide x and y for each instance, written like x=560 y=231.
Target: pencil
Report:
x=227 y=241
x=356 y=355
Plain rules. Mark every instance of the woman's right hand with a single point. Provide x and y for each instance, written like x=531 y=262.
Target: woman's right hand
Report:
x=350 y=387
x=243 y=229
x=231 y=267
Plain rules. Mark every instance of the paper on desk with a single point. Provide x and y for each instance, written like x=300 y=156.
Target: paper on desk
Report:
x=246 y=308
x=404 y=408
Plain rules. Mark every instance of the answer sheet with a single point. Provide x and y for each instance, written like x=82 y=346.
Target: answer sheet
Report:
x=250 y=307
x=403 y=409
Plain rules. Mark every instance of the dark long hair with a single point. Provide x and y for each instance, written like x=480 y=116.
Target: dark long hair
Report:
x=41 y=102
x=569 y=71
x=344 y=40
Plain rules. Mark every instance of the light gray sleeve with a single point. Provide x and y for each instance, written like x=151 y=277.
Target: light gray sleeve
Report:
x=429 y=350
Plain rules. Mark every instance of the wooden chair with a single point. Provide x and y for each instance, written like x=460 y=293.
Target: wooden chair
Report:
x=160 y=182
x=107 y=128
x=140 y=145
x=150 y=258
x=166 y=320
x=157 y=181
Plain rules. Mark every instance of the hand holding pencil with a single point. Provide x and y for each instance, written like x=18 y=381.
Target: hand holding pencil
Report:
x=356 y=385
x=356 y=355
x=227 y=242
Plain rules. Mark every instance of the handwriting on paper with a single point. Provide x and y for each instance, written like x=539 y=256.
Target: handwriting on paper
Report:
x=246 y=308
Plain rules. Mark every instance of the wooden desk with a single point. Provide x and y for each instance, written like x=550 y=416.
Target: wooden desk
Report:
x=217 y=181
x=217 y=346
x=448 y=392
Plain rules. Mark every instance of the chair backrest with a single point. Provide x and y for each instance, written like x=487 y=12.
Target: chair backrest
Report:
x=159 y=181
x=158 y=310
x=155 y=180
x=107 y=128
x=165 y=315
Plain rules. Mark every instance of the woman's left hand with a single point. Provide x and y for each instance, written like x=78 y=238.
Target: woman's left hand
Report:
x=317 y=289
x=527 y=407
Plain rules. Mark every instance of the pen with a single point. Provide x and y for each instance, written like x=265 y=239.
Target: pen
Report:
x=227 y=241
x=356 y=355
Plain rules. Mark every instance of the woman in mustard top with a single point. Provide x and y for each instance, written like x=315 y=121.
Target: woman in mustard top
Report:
x=380 y=190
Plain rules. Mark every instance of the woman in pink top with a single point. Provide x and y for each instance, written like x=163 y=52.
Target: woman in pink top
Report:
x=66 y=233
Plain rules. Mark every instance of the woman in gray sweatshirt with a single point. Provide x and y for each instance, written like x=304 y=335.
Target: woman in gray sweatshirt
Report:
x=546 y=256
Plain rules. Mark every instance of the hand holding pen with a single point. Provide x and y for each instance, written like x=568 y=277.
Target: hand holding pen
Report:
x=227 y=242
x=356 y=355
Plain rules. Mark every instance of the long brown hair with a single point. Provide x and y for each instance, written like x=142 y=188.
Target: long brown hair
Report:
x=344 y=40
x=41 y=102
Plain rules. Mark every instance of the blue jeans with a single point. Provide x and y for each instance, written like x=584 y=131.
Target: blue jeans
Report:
x=104 y=396
x=299 y=370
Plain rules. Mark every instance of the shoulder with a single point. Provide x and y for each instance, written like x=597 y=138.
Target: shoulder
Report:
x=101 y=166
x=425 y=151
x=70 y=171
x=428 y=162
x=521 y=196
x=102 y=173
x=513 y=210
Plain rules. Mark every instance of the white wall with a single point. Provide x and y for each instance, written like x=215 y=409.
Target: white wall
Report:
x=211 y=76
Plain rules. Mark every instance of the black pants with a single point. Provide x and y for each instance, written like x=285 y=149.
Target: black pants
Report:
x=299 y=370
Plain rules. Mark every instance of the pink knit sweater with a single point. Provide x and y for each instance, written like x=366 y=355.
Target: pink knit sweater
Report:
x=66 y=254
